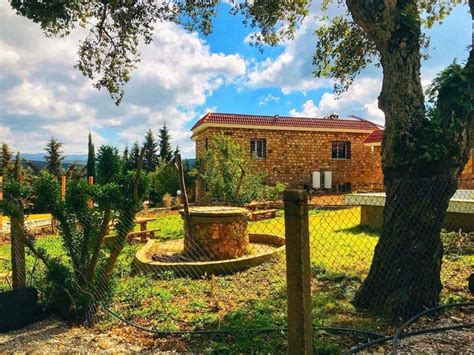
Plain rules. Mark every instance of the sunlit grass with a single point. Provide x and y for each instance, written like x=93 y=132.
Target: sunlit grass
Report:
x=341 y=252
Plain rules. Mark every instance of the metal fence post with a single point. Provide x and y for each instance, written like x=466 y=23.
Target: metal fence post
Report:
x=300 y=331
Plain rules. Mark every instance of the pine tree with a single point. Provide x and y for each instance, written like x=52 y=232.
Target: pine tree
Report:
x=108 y=164
x=90 y=158
x=6 y=160
x=150 y=159
x=54 y=157
x=165 y=146
x=134 y=156
x=17 y=169
x=126 y=159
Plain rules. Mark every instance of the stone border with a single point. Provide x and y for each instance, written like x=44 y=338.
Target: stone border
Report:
x=142 y=263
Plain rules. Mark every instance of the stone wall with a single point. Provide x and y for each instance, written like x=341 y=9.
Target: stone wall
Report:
x=467 y=176
x=291 y=156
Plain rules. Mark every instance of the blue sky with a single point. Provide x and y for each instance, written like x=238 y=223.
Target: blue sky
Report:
x=182 y=75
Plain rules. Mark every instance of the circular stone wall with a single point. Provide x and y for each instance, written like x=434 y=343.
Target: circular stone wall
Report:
x=216 y=233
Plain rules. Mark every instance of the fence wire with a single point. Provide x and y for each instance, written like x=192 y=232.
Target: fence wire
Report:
x=215 y=280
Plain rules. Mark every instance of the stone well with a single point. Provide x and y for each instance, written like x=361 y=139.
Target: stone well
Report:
x=216 y=232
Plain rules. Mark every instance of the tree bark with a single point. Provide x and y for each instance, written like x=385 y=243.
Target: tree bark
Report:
x=404 y=277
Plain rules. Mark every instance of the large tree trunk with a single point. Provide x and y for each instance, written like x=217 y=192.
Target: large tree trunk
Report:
x=404 y=277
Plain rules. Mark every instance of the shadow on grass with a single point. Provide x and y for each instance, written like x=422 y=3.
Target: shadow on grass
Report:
x=361 y=229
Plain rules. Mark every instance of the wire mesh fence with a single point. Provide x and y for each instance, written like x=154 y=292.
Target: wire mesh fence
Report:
x=215 y=279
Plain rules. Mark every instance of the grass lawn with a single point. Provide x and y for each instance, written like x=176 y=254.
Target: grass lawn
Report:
x=341 y=253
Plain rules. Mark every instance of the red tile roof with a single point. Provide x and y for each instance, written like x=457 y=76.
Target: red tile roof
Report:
x=231 y=119
x=374 y=137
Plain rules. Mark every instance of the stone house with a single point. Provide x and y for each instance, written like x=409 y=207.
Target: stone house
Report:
x=375 y=141
x=290 y=149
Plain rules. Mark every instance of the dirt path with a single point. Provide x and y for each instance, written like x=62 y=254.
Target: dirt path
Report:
x=53 y=335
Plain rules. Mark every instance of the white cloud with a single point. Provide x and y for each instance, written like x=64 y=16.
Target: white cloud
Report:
x=360 y=100
x=264 y=100
x=44 y=95
x=292 y=70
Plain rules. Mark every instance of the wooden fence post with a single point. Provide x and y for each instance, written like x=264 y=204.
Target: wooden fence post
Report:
x=17 y=231
x=1 y=214
x=63 y=187
x=90 y=181
x=298 y=278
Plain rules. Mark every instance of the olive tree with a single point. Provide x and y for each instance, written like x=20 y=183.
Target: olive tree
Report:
x=419 y=177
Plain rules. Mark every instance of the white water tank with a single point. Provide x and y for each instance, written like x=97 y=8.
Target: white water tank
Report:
x=327 y=179
x=316 y=180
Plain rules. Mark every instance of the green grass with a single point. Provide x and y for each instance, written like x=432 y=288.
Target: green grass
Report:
x=341 y=253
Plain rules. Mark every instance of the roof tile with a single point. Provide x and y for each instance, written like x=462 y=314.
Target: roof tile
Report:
x=352 y=122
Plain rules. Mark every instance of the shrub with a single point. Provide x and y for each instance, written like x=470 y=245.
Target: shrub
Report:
x=165 y=180
x=228 y=175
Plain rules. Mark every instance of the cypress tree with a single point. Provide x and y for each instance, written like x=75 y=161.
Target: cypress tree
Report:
x=54 y=157
x=150 y=159
x=90 y=157
x=165 y=147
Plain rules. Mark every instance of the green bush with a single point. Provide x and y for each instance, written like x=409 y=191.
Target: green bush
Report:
x=165 y=180
x=228 y=175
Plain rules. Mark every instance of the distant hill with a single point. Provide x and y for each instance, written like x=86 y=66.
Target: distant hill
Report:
x=38 y=157
x=40 y=164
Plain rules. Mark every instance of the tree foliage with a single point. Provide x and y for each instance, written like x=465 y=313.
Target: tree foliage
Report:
x=165 y=179
x=6 y=161
x=54 y=157
x=151 y=158
x=77 y=283
x=166 y=154
x=109 y=164
x=90 y=170
x=228 y=175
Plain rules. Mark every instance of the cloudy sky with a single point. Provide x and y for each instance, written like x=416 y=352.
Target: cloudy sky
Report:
x=182 y=75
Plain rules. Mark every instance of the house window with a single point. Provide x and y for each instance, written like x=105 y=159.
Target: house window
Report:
x=341 y=150
x=258 y=148
x=342 y=187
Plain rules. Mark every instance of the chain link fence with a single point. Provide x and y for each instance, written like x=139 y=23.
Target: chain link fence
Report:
x=214 y=279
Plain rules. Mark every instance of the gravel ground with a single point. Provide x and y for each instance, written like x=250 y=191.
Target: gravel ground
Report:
x=55 y=336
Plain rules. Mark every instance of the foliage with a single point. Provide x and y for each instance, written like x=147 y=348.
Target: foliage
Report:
x=5 y=160
x=90 y=157
x=165 y=179
x=228 y=175
x=54 y=157
x=131 y=159
x=166 y=154
x=151 y=159
x=84 y=277
x=109 y=164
